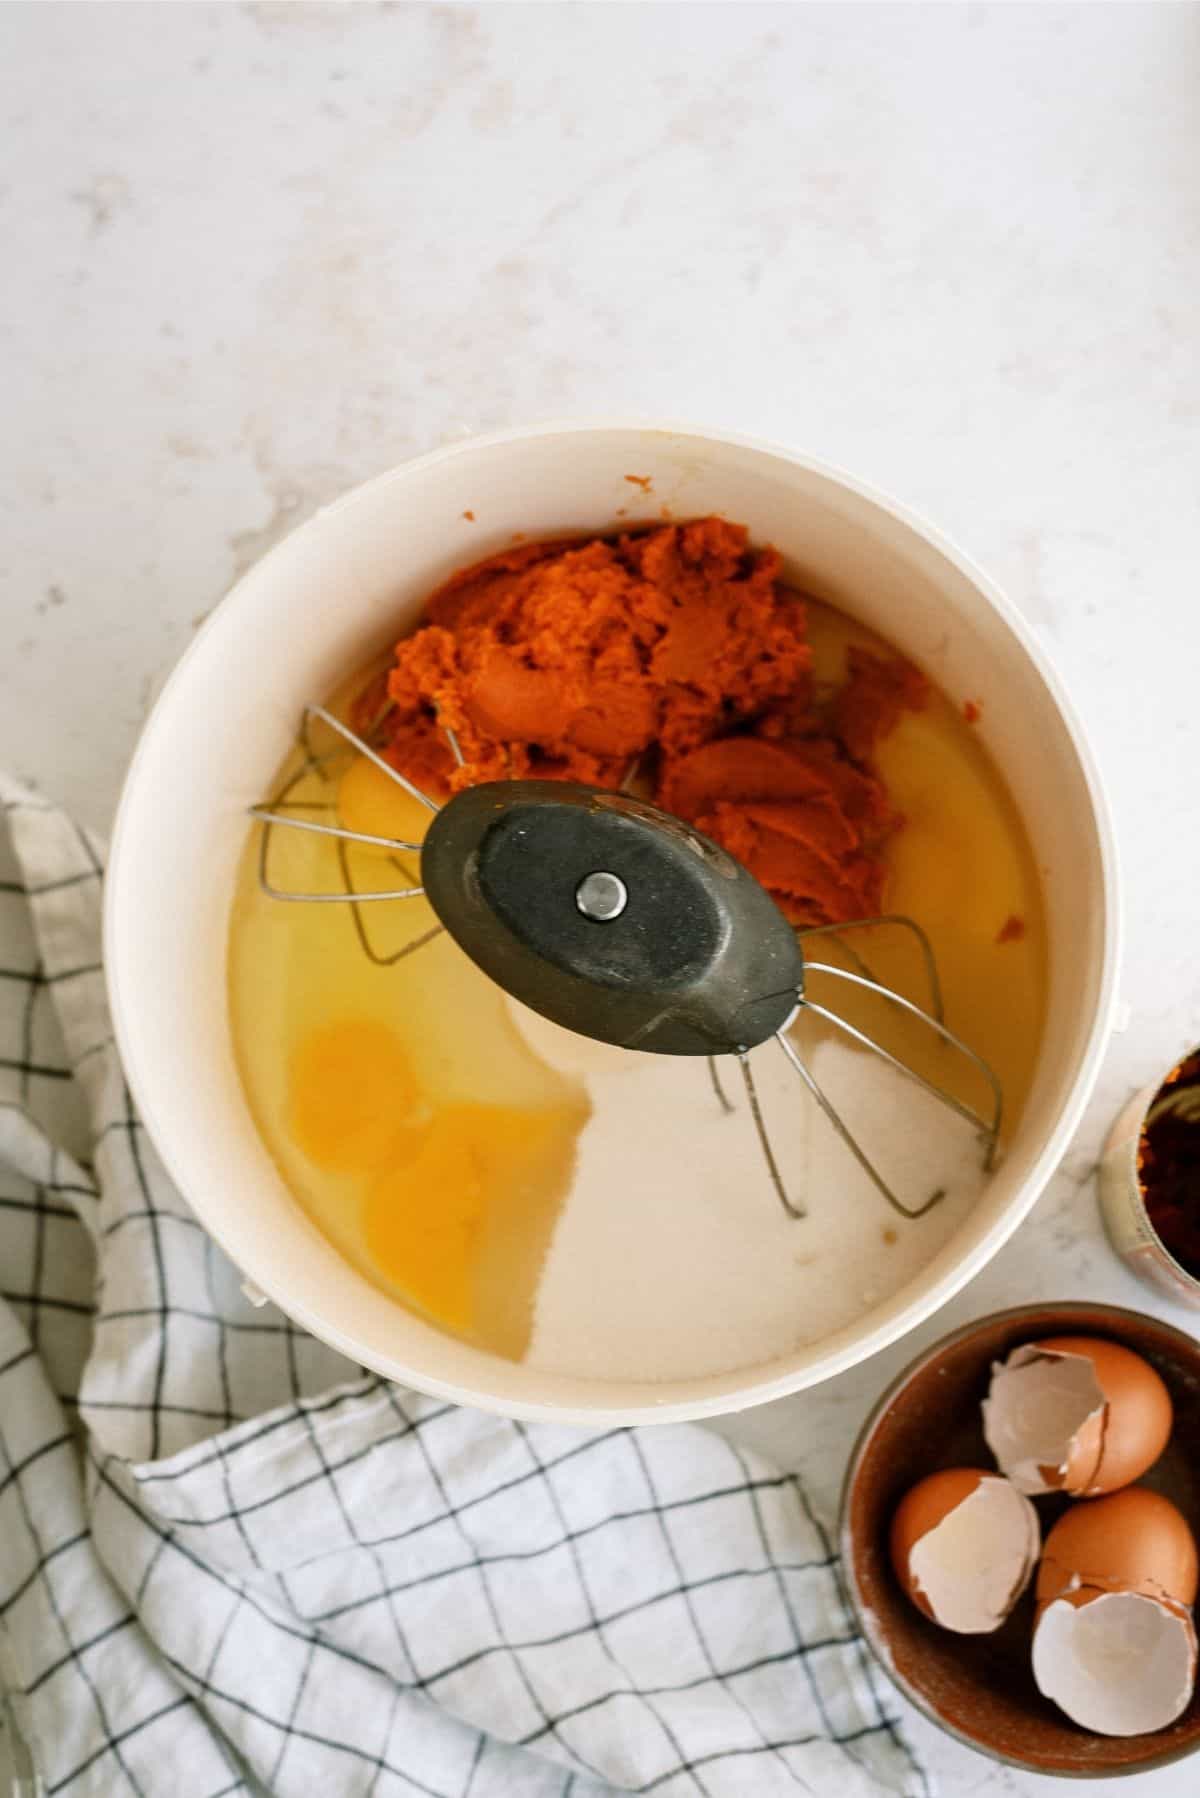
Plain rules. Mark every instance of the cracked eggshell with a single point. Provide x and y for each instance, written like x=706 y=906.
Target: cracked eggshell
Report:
x=1075 y=1414
x=1114 y=1645
x=964 y=1544
x=1116 y=1663
x=1131 y=1541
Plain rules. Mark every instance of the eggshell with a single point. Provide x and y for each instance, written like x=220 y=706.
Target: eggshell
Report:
x=1118 y=1448
x=922 y=1508
x=1132 y=1541
x=1076 y=1414
x=1038 y=1406
x=963 y=1545
x=1117 y=1663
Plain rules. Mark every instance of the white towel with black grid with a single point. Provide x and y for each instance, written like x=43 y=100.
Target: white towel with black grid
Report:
x=232 y=1562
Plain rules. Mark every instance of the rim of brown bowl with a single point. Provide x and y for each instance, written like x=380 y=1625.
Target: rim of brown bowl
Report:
x=870 y=1579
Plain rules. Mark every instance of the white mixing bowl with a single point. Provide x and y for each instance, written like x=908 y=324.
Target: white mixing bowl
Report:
x=350 y=581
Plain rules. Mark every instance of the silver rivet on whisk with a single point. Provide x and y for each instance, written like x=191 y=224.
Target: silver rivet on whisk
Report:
x=601 y=896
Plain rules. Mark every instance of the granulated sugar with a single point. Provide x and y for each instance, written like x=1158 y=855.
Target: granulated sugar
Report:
x=673 y=1257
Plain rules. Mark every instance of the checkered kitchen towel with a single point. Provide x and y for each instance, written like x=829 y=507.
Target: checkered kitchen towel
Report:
x=230 y=1561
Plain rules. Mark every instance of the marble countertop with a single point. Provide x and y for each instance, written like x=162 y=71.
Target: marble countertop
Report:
x=255 y=253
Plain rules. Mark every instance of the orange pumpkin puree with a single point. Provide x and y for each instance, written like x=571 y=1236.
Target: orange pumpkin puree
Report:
x=677 y=651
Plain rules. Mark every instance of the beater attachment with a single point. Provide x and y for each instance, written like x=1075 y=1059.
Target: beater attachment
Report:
x=622 y=923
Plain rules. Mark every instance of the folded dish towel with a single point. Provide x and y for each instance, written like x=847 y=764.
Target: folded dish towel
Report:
x=232 y=1562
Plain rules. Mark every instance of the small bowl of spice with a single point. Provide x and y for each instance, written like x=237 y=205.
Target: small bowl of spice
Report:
x=1149 y=1181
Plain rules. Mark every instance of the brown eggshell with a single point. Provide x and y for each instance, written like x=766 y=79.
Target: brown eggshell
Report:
x=1085 y=1668
x=1077 y=1597
x=981 y=1687
x=921 y=1509
x=1118 y=1448
x=1132 y=1541
x=1081 y=1595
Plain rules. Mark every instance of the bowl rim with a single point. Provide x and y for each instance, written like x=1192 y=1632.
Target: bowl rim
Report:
x=1080 y=1309
x=256 y=1268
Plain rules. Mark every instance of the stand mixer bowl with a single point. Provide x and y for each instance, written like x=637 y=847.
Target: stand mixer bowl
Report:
x=337 y=592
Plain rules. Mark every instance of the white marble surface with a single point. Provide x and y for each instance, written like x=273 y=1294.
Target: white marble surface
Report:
x=254 y=253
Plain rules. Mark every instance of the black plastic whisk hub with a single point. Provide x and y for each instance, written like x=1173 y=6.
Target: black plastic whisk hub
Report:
x=612 y=918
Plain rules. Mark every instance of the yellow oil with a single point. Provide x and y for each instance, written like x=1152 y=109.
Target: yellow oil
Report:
x=416 y=1125
x=961 y=867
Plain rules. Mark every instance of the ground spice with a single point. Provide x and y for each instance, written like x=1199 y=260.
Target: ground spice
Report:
x=1169 y=1164
x=677 y=652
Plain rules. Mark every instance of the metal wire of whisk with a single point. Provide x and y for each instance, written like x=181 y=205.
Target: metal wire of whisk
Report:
x=620 y=922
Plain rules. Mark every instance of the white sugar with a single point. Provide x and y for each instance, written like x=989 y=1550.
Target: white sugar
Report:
x=674 y=1258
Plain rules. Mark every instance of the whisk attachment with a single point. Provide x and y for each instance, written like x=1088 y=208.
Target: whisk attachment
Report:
x=718 y=1090
x=372 y=755
x=451 y=736
x=281 y=811
x=860 y=1155
x=793 y=1207
x=272 y=816
x=622 y=923
x=697 y=959
x=267 y=816
x=989 y=1127
x=840 y=932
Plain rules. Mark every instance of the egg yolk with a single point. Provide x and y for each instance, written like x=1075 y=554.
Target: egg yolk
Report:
x=353 y=1099
x=425 y=1217
x=437 y=1183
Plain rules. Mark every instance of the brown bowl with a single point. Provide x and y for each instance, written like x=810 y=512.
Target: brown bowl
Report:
x=980 y=1688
